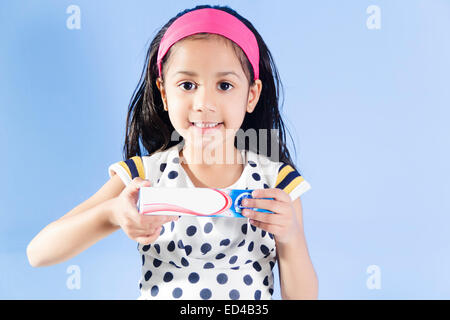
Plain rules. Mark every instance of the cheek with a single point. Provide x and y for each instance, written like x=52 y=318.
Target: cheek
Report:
x=178 y=118
x=234 y=118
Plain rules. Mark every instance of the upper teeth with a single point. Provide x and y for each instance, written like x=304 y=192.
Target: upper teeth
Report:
x=205 y=125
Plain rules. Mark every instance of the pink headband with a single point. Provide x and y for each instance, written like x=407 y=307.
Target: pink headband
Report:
x=211 y=21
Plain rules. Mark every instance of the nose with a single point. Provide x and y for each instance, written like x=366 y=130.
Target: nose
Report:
x=205 y=99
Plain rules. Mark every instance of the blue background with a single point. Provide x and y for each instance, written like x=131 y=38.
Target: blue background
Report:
x=368 y=110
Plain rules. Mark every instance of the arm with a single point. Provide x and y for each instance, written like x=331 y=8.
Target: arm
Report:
x=298 y=279
x=78 y=229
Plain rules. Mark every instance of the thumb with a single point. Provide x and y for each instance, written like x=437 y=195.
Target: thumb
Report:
x=136 y=184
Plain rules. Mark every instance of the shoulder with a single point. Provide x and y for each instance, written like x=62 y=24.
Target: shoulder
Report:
x=128 y=169
x=281 y=175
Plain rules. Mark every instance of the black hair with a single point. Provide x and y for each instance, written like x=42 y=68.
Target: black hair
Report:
x=149 y=124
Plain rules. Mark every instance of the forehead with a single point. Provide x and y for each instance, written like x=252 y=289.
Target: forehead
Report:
x=205 y=51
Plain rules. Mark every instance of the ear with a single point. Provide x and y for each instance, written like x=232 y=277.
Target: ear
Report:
x=159 y=84
x=253 y=96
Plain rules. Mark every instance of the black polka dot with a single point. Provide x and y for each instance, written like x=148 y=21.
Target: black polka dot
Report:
x=257 y=295
x=234 y=294
x=205 y=248
x=208 y=227
x=264 y=249
x=191 y=230
x=233 y=259
x=241 y=243
x=157 y=181
x=248 y=261
x=256 y=176
x=205 y=294
x=244 y=229
x=140 y=285
x=271 y=291
x=222 y=278
x=172 y=225
x=162 y=230
x=253 y=227
x=162 y=166
x=266 y=186
x=156 y=246
x=248 y=279
x=263 y=233
x=266 y=281
x=188 y=249
x=193 y=277
x=250 y=246
x=257 y=266
x=172 y=174
x=270 y=235
x=272 y=264
x=177 y=292
x=171 y=246
x=176 y=160
x=180 y=244
x=148 y=274
x=143 y=259
x=208 y=265
x=174 y=264
x=146 y=247
x=184 y=262
x=168 y=276
x=220 y=256
x=252 y=163
x=235 y=268
x=157 y=263
x=154 y=291
x=225 y=242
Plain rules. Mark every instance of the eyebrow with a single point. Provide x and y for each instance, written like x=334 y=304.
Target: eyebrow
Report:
x=218 y=74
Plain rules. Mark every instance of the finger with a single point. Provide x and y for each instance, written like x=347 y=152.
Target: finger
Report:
x=276 y=193
x=153 y=234
x=275 y=206
x=268 y=218
x=145 y=240
x=136 y=184
x=154 y=219
x=272 y=228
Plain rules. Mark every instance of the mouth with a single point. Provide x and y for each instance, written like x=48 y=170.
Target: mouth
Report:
x=205 y=127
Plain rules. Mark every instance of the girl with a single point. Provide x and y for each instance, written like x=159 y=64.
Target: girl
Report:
x=208 y=77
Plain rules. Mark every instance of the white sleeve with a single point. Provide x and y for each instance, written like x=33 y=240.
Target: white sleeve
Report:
x=127 y=170
x=289 y=180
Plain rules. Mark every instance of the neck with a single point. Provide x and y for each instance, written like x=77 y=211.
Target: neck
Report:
x=214 y=170
x=206 y=157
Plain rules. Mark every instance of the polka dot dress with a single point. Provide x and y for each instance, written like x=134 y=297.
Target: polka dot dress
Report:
x=207 y=257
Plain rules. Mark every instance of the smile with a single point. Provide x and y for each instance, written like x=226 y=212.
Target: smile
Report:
x=204 y=127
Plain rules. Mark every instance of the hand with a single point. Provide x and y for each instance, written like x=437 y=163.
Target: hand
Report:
x=141 y=228
x=282 y=223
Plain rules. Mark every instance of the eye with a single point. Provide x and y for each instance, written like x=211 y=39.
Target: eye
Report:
x=186 y=83
x=187 y=86
x=226 y=83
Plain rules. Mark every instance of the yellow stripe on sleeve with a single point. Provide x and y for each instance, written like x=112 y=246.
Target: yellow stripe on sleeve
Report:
x=139 y=166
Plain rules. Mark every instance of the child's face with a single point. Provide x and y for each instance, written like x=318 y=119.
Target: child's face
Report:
x=204 y=95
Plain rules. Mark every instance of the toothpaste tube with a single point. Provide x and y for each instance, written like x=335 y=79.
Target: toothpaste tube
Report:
x=199 y=202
